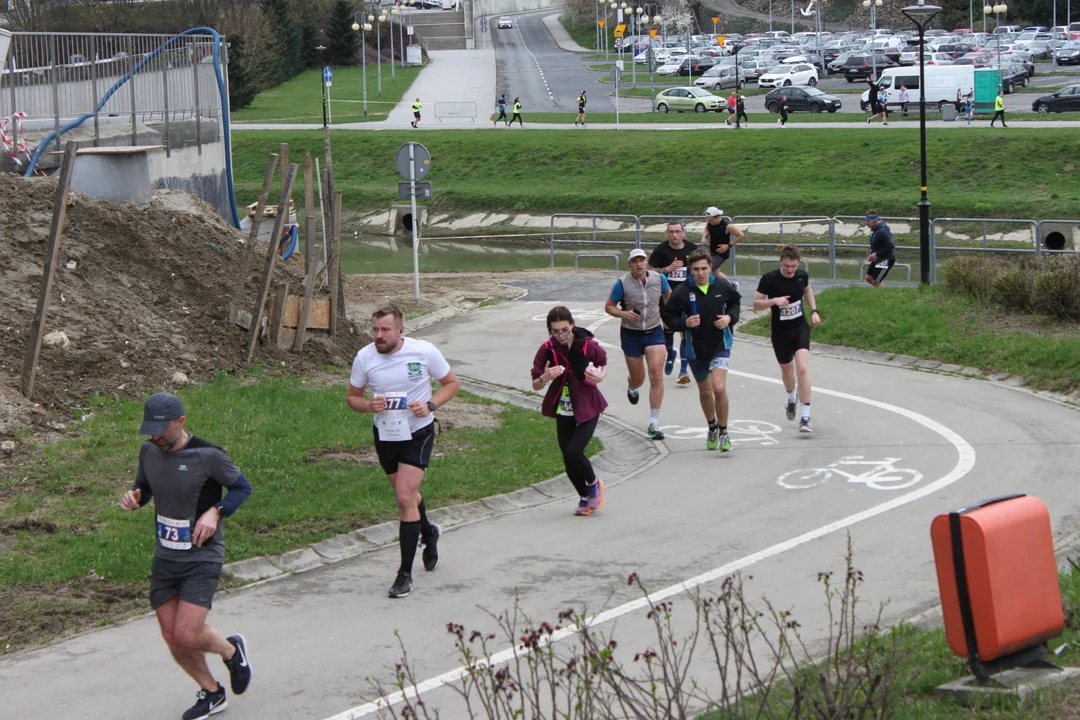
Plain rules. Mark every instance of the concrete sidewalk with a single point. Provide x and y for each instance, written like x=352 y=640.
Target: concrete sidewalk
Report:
x=560 y=36
x=450 y=76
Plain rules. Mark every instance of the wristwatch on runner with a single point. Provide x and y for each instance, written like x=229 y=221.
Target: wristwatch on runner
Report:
x=432 y=406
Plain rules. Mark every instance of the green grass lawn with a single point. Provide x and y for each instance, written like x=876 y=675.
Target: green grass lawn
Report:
x=951 y=328
x=295 y=440
x=300 y=100
x=800 y=171
x=584 y=33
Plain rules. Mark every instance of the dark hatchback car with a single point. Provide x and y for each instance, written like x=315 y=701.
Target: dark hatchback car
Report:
x=1067 y=99
x=859 y=67
x=799 y=99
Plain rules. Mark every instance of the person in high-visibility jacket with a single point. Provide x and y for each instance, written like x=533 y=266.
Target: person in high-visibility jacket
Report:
x=999 y=110
x=416 y=113
x=517 y=113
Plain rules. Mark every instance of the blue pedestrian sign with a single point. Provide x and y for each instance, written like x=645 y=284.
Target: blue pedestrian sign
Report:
x=327 y=76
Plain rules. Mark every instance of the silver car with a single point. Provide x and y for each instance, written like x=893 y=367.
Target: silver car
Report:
x=720 y=77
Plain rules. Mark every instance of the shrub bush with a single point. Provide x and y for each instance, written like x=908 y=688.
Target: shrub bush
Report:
x=972 y=275
x=1056 y=288
x=1013 y=285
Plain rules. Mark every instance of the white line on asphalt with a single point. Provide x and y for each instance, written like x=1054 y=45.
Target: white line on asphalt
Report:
x=965 y=461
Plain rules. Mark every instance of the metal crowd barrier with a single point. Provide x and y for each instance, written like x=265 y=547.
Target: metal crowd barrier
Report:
x=1044 y=232
x=465 y=110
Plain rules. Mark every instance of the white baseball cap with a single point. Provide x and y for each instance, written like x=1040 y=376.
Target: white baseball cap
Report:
x=713 y=211
x=636 y=253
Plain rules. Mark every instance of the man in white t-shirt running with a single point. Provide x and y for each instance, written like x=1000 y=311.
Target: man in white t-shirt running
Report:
x=399 y=371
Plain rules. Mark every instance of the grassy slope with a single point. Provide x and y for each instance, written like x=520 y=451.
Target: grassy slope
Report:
x=300 y=100
x=1014 y=173
x=940 y=325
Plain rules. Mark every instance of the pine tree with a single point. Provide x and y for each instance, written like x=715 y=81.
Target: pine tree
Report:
x=288 y=63
x=241 y=89
x=342 y=42
x=309 y=41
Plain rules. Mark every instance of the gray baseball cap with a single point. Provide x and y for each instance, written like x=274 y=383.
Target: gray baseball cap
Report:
x=158 y=411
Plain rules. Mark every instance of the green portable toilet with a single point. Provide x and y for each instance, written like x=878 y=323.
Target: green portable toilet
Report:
x=987 y=82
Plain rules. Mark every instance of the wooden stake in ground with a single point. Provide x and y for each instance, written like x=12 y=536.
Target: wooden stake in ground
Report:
x=52 y=254
x=335 y=268
x=253 y=238
x=309 y=216
x=271 y=260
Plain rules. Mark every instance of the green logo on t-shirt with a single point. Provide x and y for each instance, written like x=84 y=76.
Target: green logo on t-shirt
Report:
x=415 y=371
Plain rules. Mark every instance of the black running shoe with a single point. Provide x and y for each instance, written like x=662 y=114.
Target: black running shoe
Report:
x=431 y=549
x=632 y=395
x=402 y=585
x=239 y=667
x=790 y=411
x=209 y=703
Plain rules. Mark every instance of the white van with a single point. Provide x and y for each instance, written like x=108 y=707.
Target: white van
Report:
x=942 y=84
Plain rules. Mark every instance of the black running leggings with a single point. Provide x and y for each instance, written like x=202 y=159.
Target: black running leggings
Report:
x=572 y=441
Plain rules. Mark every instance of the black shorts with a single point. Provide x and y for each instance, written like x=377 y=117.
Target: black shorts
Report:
x=786 y=342
x=880 y=268
x=415 y=452
x=193 y=582
x=719 y=259
x=580 y=109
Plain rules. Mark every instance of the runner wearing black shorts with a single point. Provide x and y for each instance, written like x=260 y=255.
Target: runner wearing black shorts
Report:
x=184 y=475
x=788 y=293
x=882 y=250
x=399 y=371
x=669 y=259
x=719 y=236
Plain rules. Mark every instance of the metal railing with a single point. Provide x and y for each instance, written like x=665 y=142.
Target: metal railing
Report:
x=466 y=110
x=54 y=77
x=636 y=225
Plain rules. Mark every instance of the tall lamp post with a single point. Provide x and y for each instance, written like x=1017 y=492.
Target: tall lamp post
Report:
x=922 y=15
x=998 y=11
x=873 y=5
x=362 y=29
x=655 y=20
x=607 y=28
x=393 y=13
x=378 y=47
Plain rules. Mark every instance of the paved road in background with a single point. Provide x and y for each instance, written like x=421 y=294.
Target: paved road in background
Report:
x=547 y=78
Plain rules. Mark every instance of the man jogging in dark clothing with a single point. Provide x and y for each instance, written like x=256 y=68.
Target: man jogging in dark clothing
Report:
x=719 y=236
x=399 y=371
x=787 y=293
x=501 y=105
x=740 y=111
x=882 y=250
x=706 y=308
x=581 y=100
x=184 y=475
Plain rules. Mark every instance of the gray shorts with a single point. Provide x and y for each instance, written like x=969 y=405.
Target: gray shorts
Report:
x=193 y=582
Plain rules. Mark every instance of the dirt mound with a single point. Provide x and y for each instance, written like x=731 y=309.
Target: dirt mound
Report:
x=141 y=295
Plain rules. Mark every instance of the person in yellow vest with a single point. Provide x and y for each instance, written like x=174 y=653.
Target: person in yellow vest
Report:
x=517 y=113
x=581 y=100
x=999 y=110
x=416 y=113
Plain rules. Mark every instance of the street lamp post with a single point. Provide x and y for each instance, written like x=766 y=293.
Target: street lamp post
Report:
x=873 y=5
x=357 y=27
x=607 y=29
x=378 y=49
x=998 y=11
x=393 y=12
x=655 y=20
x=921 y=15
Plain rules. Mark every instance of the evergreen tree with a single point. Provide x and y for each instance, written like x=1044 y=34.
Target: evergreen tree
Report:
x=288 y=63
x=342 y=42
x=241 y=89
x=309 y=41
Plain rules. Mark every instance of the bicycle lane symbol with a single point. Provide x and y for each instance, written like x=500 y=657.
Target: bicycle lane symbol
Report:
x=740 y=431
x=876 y=474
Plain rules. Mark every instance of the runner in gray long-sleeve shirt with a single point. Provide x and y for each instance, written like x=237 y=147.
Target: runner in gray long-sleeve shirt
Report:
x=184 y=476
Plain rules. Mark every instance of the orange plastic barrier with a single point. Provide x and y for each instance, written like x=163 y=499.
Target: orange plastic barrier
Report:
x=998 y=578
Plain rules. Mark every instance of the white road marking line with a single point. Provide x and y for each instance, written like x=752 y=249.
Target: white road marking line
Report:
x=965 y=462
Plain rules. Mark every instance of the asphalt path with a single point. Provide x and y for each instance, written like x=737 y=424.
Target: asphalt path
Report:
x=318 y=638
x=547 y=78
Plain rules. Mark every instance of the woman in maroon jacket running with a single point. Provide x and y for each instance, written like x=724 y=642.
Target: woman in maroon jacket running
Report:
x=572 y=362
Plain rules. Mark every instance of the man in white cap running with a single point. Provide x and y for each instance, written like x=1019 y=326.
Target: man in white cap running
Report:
x=719 y=235
x=635 y=299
